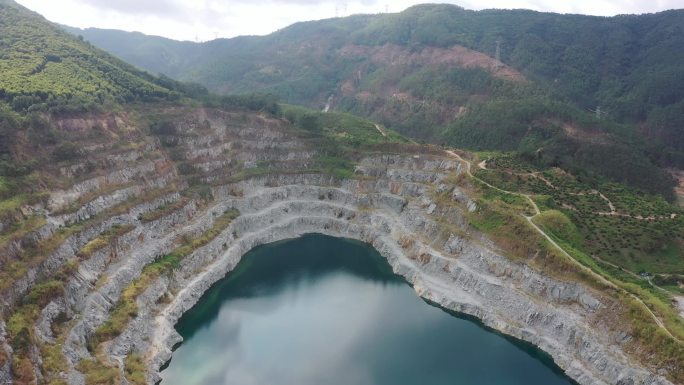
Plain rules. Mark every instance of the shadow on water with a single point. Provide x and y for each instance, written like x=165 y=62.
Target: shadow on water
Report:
x=275 y=270
x=310 y=261
x=525 y=347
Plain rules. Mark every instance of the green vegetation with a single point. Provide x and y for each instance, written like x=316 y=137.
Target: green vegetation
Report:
x=103 y=240
x=44 y=292
x=135 y=370
x=575 y=214
x=98 y=374
x=634 y=75
x=347 y=129
x=560 y=226
x=338 y=136
x=642 y=233
x=250 y=101
x=43 y=68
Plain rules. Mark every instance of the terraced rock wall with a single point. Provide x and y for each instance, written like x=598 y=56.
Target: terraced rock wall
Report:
x=135 y=254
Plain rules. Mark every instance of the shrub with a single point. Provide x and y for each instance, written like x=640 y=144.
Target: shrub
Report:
x=66 y=151
x=309 y=122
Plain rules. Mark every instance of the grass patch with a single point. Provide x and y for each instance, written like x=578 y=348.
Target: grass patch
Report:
x=560 y=225
x=341 y=127
x=98 y=374
x=135 y=369
x=103 y=240
x=488 y=223
x=20 y=333
x=54 y=361
x=338 y=167
x=44 y=292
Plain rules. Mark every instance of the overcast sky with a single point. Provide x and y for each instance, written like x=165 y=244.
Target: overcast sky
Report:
x=207 y=19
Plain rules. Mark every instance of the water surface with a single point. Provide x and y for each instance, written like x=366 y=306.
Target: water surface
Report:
x=327 y=311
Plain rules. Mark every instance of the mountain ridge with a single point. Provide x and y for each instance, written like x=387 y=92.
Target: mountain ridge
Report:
x=569 y=70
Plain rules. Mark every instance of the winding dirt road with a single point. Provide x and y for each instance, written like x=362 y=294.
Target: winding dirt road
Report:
x=380 y=129
x=588 y=270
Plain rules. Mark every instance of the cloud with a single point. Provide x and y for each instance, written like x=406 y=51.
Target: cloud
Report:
x=208 y=19
x=588 y=7
x=136 y=7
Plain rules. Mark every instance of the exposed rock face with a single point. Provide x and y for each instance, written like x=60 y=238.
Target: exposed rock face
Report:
x=6 y=350
x=392 y=203
x=557 y=316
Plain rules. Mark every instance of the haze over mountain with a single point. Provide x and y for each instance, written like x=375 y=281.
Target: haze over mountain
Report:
x=205 y=20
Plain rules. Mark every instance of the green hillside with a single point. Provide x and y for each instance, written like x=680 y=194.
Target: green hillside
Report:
x=430 y=73
x=44 y=68
x=628 y=65
x=171 y=57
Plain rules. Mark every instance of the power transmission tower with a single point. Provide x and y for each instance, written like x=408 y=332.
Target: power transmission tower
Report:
x=600 y=113
x=497 y=56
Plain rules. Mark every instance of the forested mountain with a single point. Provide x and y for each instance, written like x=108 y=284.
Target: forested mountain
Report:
x=431 y=73
x=44 y=68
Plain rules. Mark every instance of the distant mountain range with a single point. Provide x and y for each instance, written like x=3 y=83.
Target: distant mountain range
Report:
x=580 y=92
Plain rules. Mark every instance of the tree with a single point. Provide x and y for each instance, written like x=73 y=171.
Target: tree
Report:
x=309 y=122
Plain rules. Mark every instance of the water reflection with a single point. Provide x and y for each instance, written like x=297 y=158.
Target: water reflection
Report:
x=320 y=310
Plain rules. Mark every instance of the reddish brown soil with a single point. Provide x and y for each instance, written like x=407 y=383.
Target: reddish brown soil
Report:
x=394 y=55
x=679 y=175
x=595 y=137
